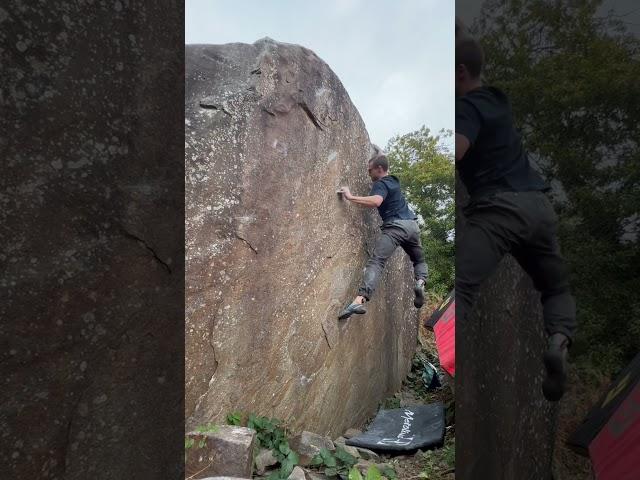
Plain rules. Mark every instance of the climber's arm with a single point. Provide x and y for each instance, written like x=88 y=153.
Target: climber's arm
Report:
x=371 y=201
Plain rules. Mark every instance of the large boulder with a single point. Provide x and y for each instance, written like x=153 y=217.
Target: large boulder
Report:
x=273 y=253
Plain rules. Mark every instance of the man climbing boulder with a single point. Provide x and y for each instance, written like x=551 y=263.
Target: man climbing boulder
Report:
x=399 y=228
x=508 y=211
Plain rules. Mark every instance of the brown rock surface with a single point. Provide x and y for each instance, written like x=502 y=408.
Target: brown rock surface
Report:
x=272 y=253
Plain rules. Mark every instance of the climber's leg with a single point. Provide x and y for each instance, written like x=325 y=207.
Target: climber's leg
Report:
x=386 y=244
x=493 y=227
x=540 y=257
x=412 y=245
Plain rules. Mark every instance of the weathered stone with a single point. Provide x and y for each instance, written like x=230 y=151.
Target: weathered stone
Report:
x=270 y=134
x=226 y=451
x=316 y=476
x=340 y=441
x=363 y=465
x=368 y=454
x=351 y=450
x=308 y=444
x=265 y=458
x=352 y=432
x=297 y=474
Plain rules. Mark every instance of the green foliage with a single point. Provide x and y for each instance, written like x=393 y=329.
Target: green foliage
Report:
x=188 y=443
x=234 y=418
x=572 y=76
x=208 y=428
x=450 y=455
x=373 y=473
x=354 y=474
x=389 y=472
x=438 y=463
x=271 y=434
x=339 y=463
x=425 y=166
x=391 y=402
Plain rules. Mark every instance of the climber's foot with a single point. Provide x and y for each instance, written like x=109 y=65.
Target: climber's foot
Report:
x=555 y=362
x=356 y=308
x=418 y=302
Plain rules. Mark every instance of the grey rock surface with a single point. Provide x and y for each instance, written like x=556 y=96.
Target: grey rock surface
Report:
x=91 y=240
x=309 y=444
x=502 y=418
x=265 y=458
x=228 y=451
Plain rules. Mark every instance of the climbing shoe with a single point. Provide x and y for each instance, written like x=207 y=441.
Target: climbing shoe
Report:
x=356 y=308
x=555 y=362
x=419 y=291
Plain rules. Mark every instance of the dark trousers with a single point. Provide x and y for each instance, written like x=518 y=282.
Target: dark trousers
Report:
x=403 y=233
x=523 y=224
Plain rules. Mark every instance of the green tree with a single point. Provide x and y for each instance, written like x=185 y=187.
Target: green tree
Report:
x=572 y=76
x=425 y=166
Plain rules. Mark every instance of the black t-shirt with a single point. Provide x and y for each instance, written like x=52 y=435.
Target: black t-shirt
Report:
x=496 y=160
x=393 y=206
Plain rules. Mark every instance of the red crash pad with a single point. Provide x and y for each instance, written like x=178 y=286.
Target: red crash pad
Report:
x=443 y=322
x=615 y=452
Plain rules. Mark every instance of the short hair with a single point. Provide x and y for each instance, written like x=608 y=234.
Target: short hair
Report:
x=470 y=54
x=379 y=160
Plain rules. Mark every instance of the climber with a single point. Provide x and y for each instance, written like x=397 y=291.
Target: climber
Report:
x=399 y=228
x=508 y=210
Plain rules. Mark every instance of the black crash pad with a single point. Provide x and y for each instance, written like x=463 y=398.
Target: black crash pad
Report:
x=404 y=429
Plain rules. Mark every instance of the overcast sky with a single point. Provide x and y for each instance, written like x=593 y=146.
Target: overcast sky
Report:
x=395 y=58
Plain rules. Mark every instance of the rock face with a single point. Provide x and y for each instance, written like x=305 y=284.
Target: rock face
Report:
x=272 y=253
x=504 y=426
x=92 y=241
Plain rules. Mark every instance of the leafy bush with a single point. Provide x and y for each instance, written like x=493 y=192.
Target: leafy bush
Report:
x=270 y=434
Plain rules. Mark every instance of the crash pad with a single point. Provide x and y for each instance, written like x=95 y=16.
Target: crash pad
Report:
x=616 y=449
x=444 y=306
x=443 y=324
x=621 y=388
x=610 y=434
x=404 y=429
x=445 y=332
